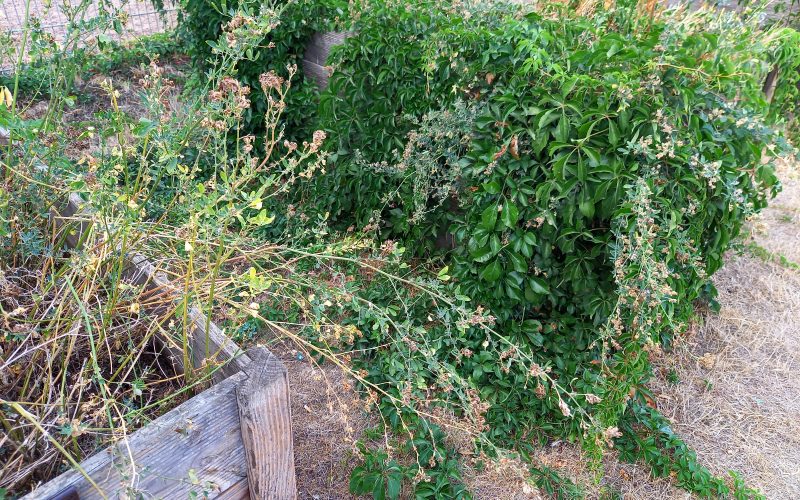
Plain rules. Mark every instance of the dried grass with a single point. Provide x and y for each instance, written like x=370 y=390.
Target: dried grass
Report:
x=777 y=229
x=50 y=356
x=505 y=480
x=738 y=400
x=327 y=417
x=630 y=481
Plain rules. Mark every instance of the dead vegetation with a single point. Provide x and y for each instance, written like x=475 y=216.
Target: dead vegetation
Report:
x=79 y=368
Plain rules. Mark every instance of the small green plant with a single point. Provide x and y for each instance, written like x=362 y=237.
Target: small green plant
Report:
x=766 y=255
x=384 y=477
x=379 y=476
x=672 y=377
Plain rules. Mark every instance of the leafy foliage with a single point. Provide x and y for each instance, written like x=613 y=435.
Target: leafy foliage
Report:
x=787 y=94
x=588 y=172
x=648 y=436
x=384 y=477
x=576 y=172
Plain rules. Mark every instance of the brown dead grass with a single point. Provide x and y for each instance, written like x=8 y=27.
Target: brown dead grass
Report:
x=505 y=480
x=738 y=400
x=630 y=481
x=327 y=417
x=778 y=228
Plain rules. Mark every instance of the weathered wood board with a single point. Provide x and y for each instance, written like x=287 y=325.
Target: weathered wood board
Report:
x=266 y=422
x=316 y=55
x=232 y=441
x=201 y=435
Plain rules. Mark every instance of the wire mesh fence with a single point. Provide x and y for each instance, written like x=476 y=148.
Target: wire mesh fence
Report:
x=143 y=18
x=69 y=18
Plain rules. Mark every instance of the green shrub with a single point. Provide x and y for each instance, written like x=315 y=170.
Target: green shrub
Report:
x=579 y=176
x=786 y=99
x=387 y=78
x=590 y=173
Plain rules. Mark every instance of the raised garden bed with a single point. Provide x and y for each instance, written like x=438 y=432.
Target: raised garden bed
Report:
x=233 y=440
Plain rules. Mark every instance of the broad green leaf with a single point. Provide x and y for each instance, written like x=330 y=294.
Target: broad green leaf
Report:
x=538 y=285
x=489 y=217
x=491 y=272
x=509 y=215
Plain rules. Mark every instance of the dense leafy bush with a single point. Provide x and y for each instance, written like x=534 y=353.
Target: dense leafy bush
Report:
x=578 y=170
x=786 y=97
x=589 y=171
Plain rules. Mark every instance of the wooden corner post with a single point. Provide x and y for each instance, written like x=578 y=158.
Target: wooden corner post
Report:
x=266 y=424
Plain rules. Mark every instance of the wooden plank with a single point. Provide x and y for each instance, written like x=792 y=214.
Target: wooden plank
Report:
x=208 y=344
x=238 y=491
x=201 y=435
x=316 y=55
x=266 y=423
x=71 y=221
